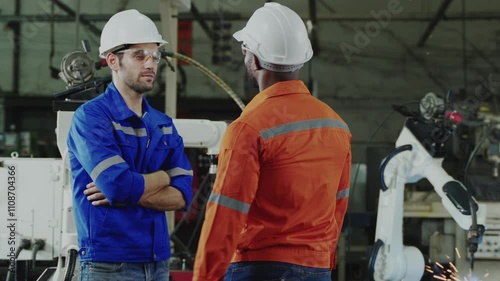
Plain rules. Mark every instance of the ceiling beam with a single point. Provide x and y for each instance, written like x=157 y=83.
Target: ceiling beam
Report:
x=439 y=15
x=471 y=16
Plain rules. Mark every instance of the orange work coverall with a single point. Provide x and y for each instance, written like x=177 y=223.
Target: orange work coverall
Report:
x=282 y=185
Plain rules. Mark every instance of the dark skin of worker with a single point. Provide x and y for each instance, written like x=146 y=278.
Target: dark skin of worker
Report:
x=261 y=77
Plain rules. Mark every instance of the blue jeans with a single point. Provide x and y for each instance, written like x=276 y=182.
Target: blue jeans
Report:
x=124 y=271
x=275 y=271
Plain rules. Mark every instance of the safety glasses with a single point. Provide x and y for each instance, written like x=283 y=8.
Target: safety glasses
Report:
x=142 y=55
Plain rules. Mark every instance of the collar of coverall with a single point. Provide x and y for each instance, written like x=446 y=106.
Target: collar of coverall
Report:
x=121 y=110
x=278 y=89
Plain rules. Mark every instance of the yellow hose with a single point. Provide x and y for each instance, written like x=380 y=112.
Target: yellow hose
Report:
x=212 y=75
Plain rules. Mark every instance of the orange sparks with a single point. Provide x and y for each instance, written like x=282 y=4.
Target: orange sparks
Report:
x=439 y=277
x=453 y=266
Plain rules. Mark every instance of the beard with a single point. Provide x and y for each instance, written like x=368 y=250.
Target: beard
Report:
x=251 y=79
x=134 y=82
x=140 y=87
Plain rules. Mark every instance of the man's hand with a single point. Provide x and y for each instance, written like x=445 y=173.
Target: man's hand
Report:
x=95 y=195
x=154 y=182
x=166 y=199
x=157 y=194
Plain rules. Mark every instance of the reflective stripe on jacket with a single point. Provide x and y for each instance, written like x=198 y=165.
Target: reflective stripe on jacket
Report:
x=110 y=145
x=282 y=185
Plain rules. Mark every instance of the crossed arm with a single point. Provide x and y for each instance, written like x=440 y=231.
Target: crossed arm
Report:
x=114 y=182
x=158 y=194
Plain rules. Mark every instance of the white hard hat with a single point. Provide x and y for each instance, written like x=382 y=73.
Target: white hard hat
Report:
x=277 y=35
x=128 y=27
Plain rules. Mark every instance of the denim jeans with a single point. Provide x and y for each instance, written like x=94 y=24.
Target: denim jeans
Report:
x=275 y=271
x=124 y=271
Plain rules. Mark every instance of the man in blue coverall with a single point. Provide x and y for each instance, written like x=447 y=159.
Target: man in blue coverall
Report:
x=127 y=161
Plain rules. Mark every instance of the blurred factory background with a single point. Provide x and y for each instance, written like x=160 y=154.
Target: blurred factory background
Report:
x=369 y=56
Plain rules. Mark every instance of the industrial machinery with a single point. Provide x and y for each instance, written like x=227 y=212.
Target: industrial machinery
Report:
x=419 y=154
x=77 y=68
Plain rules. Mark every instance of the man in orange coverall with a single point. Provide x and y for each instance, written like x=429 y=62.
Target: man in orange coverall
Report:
x=282 y=188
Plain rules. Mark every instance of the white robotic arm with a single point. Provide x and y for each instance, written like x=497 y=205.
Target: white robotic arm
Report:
x=391 y=260
x=415 y=157
x=196 y=133
x=454 y=195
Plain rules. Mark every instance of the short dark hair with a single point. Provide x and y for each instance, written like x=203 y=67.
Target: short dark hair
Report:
x=120 y=55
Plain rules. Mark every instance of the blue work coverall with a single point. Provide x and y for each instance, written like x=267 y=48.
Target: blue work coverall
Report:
x=110 y=145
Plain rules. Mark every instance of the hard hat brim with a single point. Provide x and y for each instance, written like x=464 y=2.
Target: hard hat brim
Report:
x=160 y=43
x=238 y=35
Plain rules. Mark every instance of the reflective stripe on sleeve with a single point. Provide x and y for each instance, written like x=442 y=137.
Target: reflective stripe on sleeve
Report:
x=229 y=203
x=179 y=172
x=167 y=130
x=342 y=194
x=301 y=126
x=106 y=163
